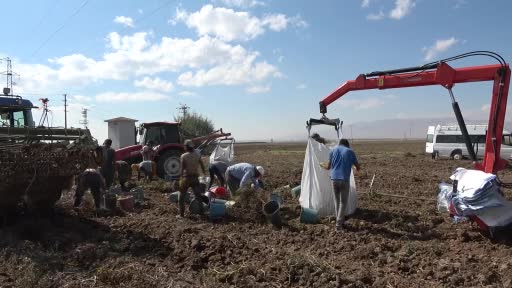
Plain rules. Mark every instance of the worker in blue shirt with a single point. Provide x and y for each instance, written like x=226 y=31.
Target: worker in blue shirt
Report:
x=242 y=175
x=341 y=160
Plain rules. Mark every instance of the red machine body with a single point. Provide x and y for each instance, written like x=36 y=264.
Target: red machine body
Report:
x=446 y=76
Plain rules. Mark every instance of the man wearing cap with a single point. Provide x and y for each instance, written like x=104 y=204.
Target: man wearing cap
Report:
x=242 y=175
x=189 y=171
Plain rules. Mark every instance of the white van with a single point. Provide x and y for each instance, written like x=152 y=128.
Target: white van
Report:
x=447 y=141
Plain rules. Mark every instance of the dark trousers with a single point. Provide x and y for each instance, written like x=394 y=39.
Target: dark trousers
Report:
x=108 y=175
x=214 y=171
x=232 y=182
x=92 y=181
x=187 y=182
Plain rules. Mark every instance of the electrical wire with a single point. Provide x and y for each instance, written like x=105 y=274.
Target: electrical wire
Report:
x=60 y=28
x=45 y=15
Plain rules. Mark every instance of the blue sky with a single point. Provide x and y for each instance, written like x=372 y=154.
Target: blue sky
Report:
x=257 y=68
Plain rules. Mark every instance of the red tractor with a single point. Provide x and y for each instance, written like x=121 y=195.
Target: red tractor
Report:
x=168 y=144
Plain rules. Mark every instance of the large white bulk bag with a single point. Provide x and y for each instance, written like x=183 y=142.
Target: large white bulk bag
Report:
x=316 y=186
x=225 y=154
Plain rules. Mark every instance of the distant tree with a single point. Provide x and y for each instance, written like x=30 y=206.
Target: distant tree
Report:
x=194 y=125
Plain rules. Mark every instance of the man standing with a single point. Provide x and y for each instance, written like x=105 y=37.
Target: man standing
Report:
x=340 y=163
x=107 y=168
x=189 y=171
x=241 y=175
x=217 y=169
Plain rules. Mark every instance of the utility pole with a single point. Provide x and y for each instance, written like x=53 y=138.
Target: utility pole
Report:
x=183 y=108
x=8 y=89
x=84 y=117
x=66 y=114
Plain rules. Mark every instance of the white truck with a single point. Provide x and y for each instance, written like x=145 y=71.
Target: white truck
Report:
x=446 y=141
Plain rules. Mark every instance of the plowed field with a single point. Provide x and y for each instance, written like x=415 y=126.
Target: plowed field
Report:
x=389 y=242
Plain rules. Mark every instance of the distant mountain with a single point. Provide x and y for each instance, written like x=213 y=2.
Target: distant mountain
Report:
x=400 y=128
x=387 y=128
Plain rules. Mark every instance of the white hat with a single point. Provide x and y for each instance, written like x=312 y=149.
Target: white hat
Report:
x=261 y=170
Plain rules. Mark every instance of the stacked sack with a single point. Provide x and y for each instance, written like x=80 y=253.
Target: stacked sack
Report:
x=478 y=194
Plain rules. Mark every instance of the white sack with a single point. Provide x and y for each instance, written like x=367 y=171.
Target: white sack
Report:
x=316 y=186
x=224 y=154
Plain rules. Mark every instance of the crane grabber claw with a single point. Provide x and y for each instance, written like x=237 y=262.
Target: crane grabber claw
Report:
x=336 y=123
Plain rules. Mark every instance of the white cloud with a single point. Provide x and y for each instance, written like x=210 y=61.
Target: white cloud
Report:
x=302 y=86
x=244 y=71
x=363 y=104
x=402 y=8
x=126 y=21
x=242 y=3
x=230 y=25
x=135 y=55
x=365 y=3
x=375 y=17
x=439 y=47
x=130 y=97
x=258 y=89
x=154 y=84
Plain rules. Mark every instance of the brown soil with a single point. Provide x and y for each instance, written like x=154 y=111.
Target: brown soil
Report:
x=389 y=242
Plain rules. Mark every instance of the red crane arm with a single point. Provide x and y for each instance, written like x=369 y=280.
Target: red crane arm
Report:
x=446 y=76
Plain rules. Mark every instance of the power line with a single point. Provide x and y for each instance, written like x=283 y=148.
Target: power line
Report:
x=45 y=15
x=60 y=28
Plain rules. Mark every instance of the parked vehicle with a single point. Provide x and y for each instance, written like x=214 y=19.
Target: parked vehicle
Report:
x=168 y=145
x=446 y=141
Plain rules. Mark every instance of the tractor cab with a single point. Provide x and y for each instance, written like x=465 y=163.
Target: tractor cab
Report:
x=160 y=133
x=16 y=112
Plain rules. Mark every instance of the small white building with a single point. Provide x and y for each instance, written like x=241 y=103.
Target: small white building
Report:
x=122 y=131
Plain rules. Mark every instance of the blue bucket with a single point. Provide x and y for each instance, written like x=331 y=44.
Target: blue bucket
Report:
x=276 y=197
x=217 y=200
x=271 y=211
x=296 y=192
x=308 y=216
x=217 y=209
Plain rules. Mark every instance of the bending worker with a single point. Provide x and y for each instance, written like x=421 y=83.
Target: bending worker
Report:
x=189 y=171
x=147 y=166
x=242 y=175
x=217 y=169
x=91 y=179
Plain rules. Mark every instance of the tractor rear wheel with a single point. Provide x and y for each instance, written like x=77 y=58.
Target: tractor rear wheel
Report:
x=169 y=164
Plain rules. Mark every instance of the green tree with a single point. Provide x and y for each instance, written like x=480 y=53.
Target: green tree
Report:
x=194 y=125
